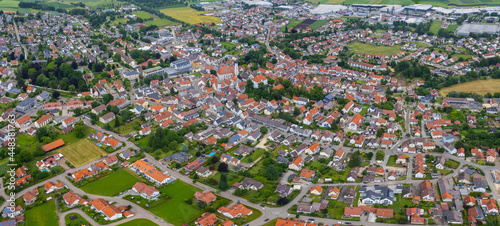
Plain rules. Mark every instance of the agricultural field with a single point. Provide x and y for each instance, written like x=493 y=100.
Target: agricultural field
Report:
x=358 y=47
x=143 y=15
x=176 y=211
x=42 y=215
x=81 y=152
x=480 y=87
x=304 y=24
x=140 y=221
x=112 y=184
x=9 y=5
x=318 y=24
x=160 y=22
x=189 y=15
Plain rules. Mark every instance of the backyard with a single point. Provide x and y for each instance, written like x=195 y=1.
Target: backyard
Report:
x=74 y=219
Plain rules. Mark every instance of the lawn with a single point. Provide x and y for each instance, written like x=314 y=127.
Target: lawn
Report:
x=189 y=15
x=293 y=22
x=71 y=138
x=143 y=15
x=452 y=164
x=9 y=5
x=42 y=215
x=176 y=211
x=435 y=26
x=79 y=220
x=452 y=28
x=392 y=160
x=140 y=221
x=81 y=152
x=112 y=184
x=480 y=87
x=254 y=156
x=364 y=48
x=318 y=24
x=160 y=22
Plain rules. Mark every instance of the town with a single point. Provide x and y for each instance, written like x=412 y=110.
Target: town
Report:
x=249 y=113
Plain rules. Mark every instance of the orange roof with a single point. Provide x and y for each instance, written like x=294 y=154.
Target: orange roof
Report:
x=306 y=173
x=53 y=145
x=236 y=210
x=150 y=171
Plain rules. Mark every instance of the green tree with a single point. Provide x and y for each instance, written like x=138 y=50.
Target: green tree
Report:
x=223 y=182
x=263 y=130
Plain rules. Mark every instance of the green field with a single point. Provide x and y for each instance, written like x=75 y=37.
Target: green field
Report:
x=143 y=15
x=42 y=215
x=176 y=211
x=80 y=220
x=140 y=221
x=480 y=87
x=81 y=152
x=358 y=47
x=129 y=127
x=435 y=26
x=318 y=24
x=189 y=15
x=293 y=22
x=160 y=22
x=112 y=184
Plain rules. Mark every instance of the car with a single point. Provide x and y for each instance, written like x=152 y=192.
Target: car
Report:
x=266 y=220
x=262 y=205
x=347 y=222
x=340 y=222
x=310 y=219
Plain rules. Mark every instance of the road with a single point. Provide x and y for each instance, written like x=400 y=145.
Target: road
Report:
x=19 y=39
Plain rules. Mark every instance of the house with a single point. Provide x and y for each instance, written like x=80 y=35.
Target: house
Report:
x=283 y=190
x=68 y=122
x=146 y=191
x=110 y=160
x=489 y=206
x=207 y=219
x=307 y=174
x=235 y=211
x=146 y=131
x=30 y=196
x=296 y=164
x=110 y=212
x=203 y=172
x=316 y=190
x=107 y=117
x=338 y=155
x=334 y=193
x=249 y=183
x=51 y=186
x=207 y=197
x=151 y=173
x=71 y=199
x=127 y=154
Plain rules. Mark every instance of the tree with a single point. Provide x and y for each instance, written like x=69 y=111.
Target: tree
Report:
x=380 y=132
x=355 y=159
x=282 y=201
x=222 y=168
x=106 y=98
x=77 y=111
x=263 y=130
x=173 y=145
x=79 y=130
x=271 y=173
x=223 y=182
x=214 y=159
x=56 y=94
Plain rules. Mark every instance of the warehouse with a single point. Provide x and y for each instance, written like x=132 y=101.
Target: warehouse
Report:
x=467 y=29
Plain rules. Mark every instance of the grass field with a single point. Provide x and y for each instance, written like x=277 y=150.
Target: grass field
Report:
x=140 y=221
x=143 y=15
x=318 y=24
x=42 y=215
x=80 y=220
x=358 y=47
x=435 y=26
x=176 y=211
x=112 y=184
x=160 y=22
x=293 y=23
x=480 y=86
x=82 y=152
x=189 y=15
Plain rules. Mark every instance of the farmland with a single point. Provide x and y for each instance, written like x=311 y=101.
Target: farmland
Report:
x=304 y=24
x=293 y=22
x=176 y=211
x=112 y=184
x=480 y=87
x=81 y=152
x=189 y=15
x=363 y=48
x=318 y=24
x=42 y=215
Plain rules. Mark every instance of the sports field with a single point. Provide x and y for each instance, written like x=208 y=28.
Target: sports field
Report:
x=81 y=152
x=358 y=47
x=42 y=215
x=480 y=86
x=176 y=211
x=140 y=221
x=189 y=15
x=112 y=184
